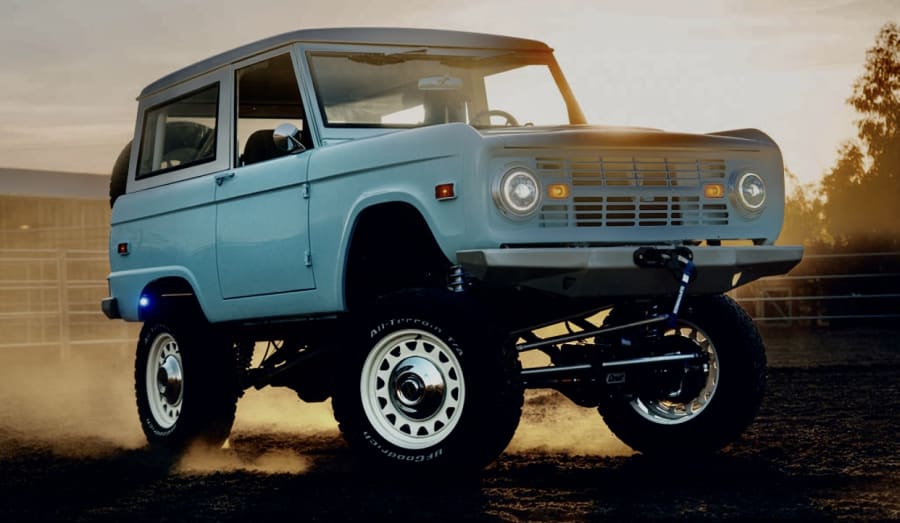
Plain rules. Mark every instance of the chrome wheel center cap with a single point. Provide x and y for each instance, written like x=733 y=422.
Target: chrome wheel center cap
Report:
x=170 y=379
x=417 y=387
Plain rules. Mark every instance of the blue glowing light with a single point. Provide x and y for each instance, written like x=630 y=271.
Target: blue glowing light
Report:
x=144 y=301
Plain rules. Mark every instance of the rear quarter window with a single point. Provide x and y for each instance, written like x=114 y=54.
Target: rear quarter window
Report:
x=179 y=133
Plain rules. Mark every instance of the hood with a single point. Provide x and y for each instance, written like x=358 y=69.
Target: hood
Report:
x=626 y=138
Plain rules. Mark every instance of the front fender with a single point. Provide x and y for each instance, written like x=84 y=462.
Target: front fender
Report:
x=402 y=167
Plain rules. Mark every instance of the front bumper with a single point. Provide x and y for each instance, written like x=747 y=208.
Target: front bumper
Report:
x=611 y=271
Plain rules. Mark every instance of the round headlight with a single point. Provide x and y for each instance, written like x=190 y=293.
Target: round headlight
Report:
x=518 y=194
x=750 y=193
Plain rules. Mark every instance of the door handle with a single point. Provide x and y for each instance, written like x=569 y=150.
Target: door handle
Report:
x=221 y=178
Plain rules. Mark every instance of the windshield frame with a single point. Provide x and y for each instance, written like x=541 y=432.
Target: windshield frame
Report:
x=342 y=131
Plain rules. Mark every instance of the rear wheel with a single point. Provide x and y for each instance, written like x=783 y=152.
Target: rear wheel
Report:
x=185 y=385
x=429 y=384
x=706 y=406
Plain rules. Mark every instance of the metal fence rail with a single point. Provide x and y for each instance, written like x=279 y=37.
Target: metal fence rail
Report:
x=50 y=298
x=873 y=280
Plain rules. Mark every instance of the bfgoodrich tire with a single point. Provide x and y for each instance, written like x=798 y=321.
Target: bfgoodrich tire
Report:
x=429 y=384
x=725 y=400
x=185 y=384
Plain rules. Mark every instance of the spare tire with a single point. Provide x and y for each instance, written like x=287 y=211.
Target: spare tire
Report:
x=119 y=175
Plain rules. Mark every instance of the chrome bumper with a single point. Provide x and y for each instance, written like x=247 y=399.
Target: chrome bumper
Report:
x=611 y=271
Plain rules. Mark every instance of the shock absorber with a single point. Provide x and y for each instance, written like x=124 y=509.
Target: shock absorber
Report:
x=456 y=279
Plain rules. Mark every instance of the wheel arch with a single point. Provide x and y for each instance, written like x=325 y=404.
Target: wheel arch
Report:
x=168 y=293
x=371 y=264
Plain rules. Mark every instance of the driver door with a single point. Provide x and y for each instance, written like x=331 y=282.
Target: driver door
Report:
x=262 y=221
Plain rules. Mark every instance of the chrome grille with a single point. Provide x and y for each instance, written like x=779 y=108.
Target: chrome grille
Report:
x=618 y=191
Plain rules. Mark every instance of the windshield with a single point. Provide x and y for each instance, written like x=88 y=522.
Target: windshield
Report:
x=416 y=88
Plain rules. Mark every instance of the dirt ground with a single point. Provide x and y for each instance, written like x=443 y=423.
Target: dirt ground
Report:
x=826 y=446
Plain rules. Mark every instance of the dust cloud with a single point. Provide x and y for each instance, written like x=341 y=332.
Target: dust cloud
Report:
x=199 y=461
x=261 y=414
x=82 y=404
x=280 y=410
x=551 y=424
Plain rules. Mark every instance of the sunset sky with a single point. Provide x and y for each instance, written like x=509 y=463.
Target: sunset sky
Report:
x=70 y=70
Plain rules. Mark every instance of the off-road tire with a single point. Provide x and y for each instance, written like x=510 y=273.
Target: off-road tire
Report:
x=208 y=399
x=454 y=339
x=119 y=177
x=741 y=361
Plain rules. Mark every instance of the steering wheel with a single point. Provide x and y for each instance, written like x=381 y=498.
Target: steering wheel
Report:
x=477 y=119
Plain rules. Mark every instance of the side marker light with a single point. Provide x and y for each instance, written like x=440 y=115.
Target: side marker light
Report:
x=444 y=191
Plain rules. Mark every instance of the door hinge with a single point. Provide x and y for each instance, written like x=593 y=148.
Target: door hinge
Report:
x=305 y=191
x=307 y=259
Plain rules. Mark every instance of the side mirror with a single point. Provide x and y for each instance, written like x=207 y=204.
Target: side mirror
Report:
x=287 y=139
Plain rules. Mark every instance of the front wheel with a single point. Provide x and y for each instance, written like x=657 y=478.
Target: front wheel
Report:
x=185 y=385
x=429 y=384
x=711 y=404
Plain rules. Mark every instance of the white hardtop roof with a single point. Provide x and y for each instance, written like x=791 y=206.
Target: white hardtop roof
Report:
x=349 y=35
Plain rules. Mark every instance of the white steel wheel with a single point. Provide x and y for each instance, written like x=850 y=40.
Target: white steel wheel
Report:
x=171 y=416
x=412 y=389
x=673 y=409
x=164 y=380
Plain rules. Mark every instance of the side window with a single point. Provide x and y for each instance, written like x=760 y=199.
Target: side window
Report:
x=179 y=133
x=267 y=96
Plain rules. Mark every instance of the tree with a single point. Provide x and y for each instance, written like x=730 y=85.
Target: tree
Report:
x=844 y=208
x=876 y=96
x=862 y=192
x=802 y=214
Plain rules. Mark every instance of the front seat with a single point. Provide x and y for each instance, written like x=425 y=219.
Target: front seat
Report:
x=260 y=147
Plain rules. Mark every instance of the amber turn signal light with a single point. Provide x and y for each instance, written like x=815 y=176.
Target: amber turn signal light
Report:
x=444 y=191
x=558 y=191
x=714 y=190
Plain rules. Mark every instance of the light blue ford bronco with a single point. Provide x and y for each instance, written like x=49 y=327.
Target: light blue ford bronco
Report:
x=396 y=214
